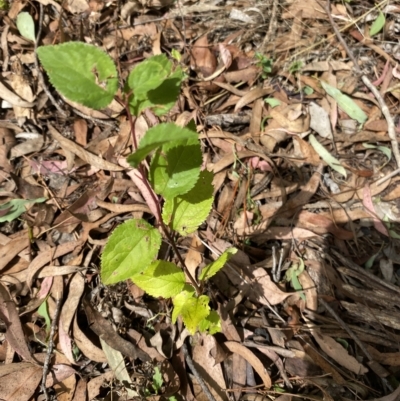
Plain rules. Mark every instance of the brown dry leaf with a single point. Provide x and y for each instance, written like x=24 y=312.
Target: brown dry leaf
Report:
x=47 y=256
x=195 y=255
x=208 y=369
x=257 y=365
x=251 y=96
x=202 y=58
x=291 y=117
x=338 y=353
x=140 y=340
x=303 y=150
x=267 y=292
x=89 y=158
x=310 y=290
x=21 y=385
x=12 y=98
x=375 y=189
x=80 y=391
x=290 y=208
x=386 y=358
x=21 y=87
x=320 y=224
x=279 y=233
x=104 y=328
x=94 y=385
x=7 y=141
x=12 y=249
x=14 y=334
x=76 y=6
x=70 y=306
x=28 y=146
x=318 y=359
x=87 y=348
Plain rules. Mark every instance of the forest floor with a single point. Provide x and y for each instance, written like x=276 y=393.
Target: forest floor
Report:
x=296 y=105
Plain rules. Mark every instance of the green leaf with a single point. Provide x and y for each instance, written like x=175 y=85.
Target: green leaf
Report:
x=186 y=212
x=308 y=90
x=211 y=324
x=345 y=103
x=43 y=311
x=158 y=136
x=157 y=380
x=154 y=85
x=378 y=24
x=175 y=168
x=161 y=279
x=214 y=267
x=82 y=73
x=326 y=156
x=272 y=102
x=129 y=250
x=292 y=276
x=26 y=26
x=11 y=210
x=192 y=309
x=180 y=299
x=384 y=149
x=117 y=364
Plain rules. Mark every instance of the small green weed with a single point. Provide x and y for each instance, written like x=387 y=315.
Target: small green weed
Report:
x=265 y=63
x=180 y=193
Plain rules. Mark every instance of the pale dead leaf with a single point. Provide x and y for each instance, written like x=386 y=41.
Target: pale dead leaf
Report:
x=45 y=257
x=65 y=343
x=209 y=371
x=309 y=289
x=86 y=346
x=251 y=96
x=27 y=147
x=21 y=87
x=142 y=344
x=194 y=256
x=81 y=391
x=21 y=385
x=7 y=141
x=303 y=150
x=14 y=334
x=279 y=233
x=226 y=55
x=338 y=353
x=319 y=121
x=12 y=249
x=267 y=289
x=12 y=98
x=82 y=153
x=202 y=58
x=76 y=6
x=94 y=385
x=257 y=365
x=70 y=306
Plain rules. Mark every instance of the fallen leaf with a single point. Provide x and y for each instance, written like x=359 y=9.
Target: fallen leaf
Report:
x=257 y=365
x=267 y=292
x=338 y=353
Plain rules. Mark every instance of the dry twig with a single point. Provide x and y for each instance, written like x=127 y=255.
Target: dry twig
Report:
x=50 y=347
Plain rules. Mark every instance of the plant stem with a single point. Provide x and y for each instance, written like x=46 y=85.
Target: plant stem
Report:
x=156 y=201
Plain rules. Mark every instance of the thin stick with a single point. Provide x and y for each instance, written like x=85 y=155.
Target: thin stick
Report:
x=190 y=363
x=50 y=347
x=371 y=87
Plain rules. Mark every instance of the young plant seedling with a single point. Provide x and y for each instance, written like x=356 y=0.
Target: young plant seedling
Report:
x=86 y=75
